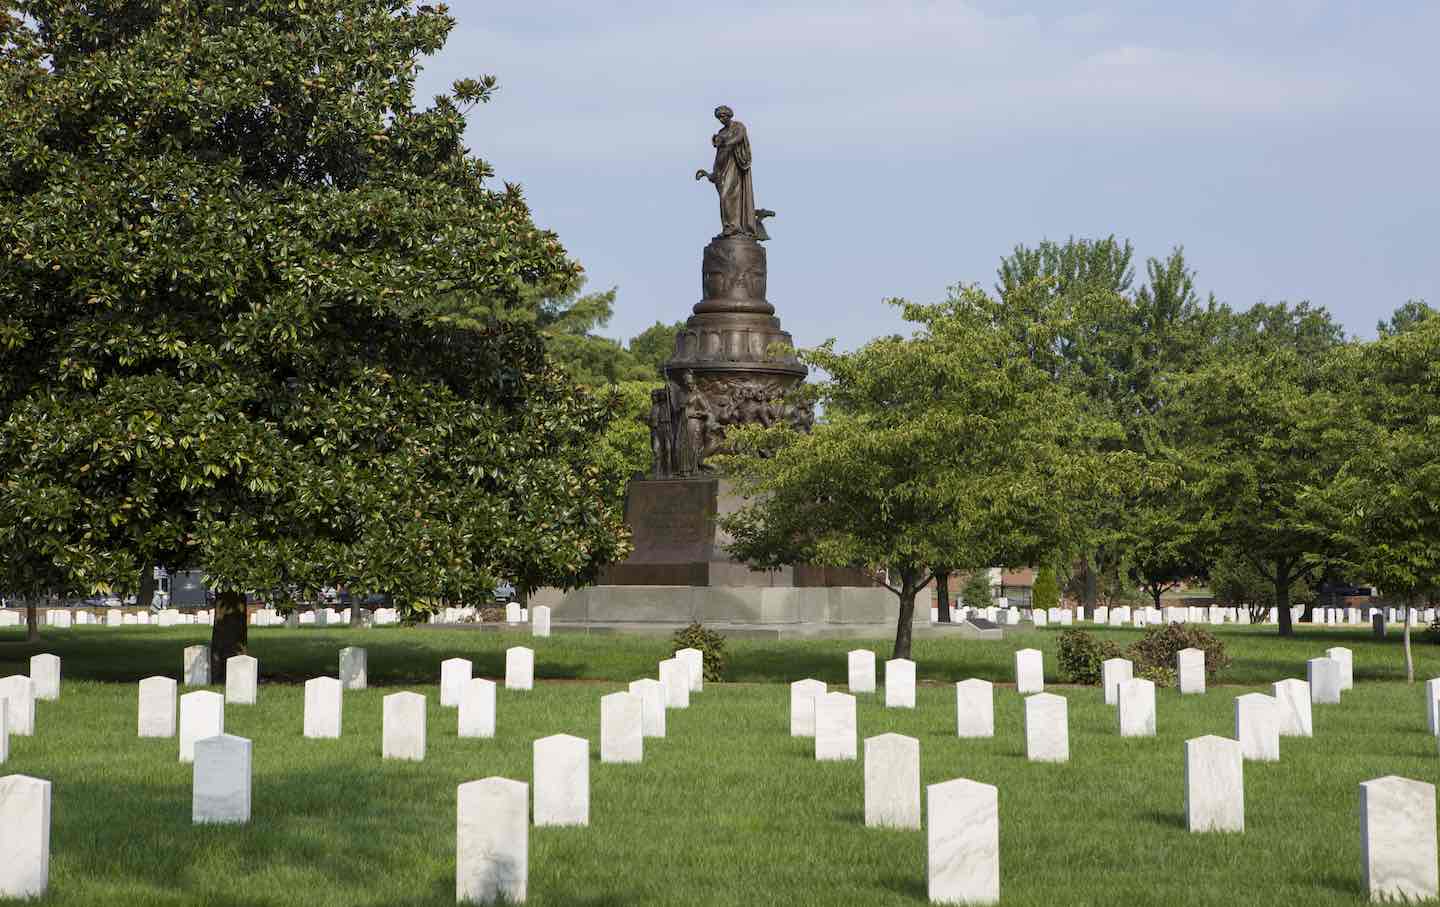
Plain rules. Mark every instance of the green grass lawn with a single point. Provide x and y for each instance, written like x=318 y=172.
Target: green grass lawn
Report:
x=728 y=809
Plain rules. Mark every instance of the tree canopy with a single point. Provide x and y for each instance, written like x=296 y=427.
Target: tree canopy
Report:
x=947 y=447
x=259 y=313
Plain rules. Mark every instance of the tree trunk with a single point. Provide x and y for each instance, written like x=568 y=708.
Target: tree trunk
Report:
x=1282 y=600
x=229 y=633
x=1155 y=593
x=32 y=621
x=1409 y=661
x=907 y=614
x=1092 y=589
x=355 y=619
x=942 y=587
x=145 y=597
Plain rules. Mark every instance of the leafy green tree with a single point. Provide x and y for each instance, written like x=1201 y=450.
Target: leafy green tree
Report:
x=654 y=345
x=260 y=313
x=1408 y=316
x=976 y=591
x=568 y=319
x=949 y=447
x=1045 y=594
x=1262 y=433
x=1236 y=580
x=1118 y=349
x=1382 y=502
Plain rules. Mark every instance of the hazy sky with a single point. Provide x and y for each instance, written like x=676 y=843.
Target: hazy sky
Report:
x=1290 y=147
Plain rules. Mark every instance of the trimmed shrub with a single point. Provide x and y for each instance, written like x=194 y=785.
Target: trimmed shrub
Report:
x=709 y=642
x=1159 y=646
x=1081 y=655
x=1046 y=592
x=976 y=591
x=1158 y=675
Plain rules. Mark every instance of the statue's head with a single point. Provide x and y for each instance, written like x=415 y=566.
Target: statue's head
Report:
x=724 y=114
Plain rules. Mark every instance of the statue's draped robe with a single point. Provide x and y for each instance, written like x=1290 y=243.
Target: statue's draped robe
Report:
x=732 y=181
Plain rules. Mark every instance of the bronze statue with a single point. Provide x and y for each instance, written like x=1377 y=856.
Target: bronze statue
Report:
x=702 y=428
x=731 y=176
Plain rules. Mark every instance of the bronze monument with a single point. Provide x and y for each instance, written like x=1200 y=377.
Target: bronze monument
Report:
x=733 y=364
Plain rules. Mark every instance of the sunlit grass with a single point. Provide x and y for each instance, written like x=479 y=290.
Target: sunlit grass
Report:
x=728 y=809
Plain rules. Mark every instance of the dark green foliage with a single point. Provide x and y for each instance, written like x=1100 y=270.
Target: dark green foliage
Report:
x=712 y=644
x=1159 y=646
x=1157 y=674
x=1046 y=592
x=1080 y=655
x=260 y=312
x=976 y=591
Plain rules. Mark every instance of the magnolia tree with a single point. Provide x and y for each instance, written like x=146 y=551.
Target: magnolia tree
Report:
x=946 y=447
x=258 y=313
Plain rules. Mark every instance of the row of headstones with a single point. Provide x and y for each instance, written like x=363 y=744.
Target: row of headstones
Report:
x=65 y=618
x=538 y=617
x=1139 y=617
x=222 y=779
x=1397 y=817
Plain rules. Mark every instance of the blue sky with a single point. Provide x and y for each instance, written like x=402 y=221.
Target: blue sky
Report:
x=1292 y=147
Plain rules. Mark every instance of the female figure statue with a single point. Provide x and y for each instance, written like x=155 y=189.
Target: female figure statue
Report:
x=731 y=177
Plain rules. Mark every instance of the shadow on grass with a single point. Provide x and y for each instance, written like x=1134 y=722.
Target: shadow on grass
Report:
x=909 y=886
x=1165 y=819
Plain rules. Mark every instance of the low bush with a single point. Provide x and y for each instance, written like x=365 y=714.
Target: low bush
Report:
x=1081 y=655
x=1159 y=675
x=1160 y=644
x=712 y=644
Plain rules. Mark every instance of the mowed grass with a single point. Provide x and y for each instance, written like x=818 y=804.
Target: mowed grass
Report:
x=400 y=656
x=728 y=809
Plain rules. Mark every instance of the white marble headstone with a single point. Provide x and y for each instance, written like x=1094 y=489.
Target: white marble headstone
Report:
x=562 y=780
x=694 y=662
x=477 y=708
x=621 y=728
x=861 y=670
x=220 y=793
x=403 y=727
x=202 y=714
x=1324 y=677
x=974 y=708
x=1432 y=703
x=1347 y=666
x=1047 y=729
x=963 y=842
x=540 y=621
x=1029 y=671
x=836 y=733
x=676 y=677
x=197 y=666
x=241 y=677
x=324 y=707
x=519 y=668
x=652 y=705
x=157 y=707
x=1257 y=727
x=1397 y=839
x=19 y=692
x=1190 y=670
x=454 y=674
x=1214 y=784
x=24 y=836
x=45 y=675
x=1292 y=706
x=354 y=668
x=900 y=683
x=492 y=841
x=892 y=781
x=802 y=706
x=1113 y=672
x=1135 y=701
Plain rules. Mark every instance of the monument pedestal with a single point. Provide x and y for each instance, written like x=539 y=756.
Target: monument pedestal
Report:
x=679 y=542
